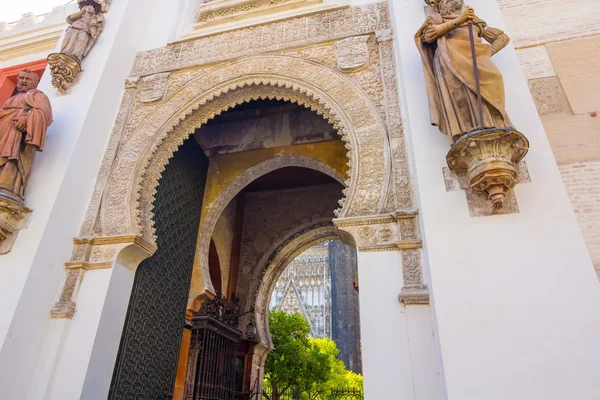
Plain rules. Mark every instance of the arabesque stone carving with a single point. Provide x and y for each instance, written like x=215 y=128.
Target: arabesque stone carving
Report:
x=24 y=119
x=215 y=11
x=85 y=26
x=352 y=53
x=233 y=67
x=467 y=99
x=392 y=232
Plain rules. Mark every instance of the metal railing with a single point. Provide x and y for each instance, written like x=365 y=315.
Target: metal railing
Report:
x=334 y=394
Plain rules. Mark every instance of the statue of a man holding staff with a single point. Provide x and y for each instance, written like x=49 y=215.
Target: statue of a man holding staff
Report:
x=445 y=46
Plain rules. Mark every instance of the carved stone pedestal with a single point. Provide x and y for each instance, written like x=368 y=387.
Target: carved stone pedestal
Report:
x=64 y=70
x=14 y=216
x=489 y=160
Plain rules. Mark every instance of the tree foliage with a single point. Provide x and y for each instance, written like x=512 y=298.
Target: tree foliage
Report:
x=302 y=363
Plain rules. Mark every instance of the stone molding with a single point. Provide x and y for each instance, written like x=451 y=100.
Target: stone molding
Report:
x=220 y=11
x=94 y=254
x=396 y=231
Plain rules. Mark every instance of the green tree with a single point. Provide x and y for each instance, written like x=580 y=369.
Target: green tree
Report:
x=299 y=362
x=325 y=352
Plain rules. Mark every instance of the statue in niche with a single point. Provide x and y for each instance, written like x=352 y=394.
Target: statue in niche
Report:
x=445 y=48
x=84 y=28
x=467 y=98
x=24 y=119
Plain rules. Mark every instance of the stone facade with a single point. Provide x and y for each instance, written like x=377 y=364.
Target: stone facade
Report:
x=305 y=288
x=582 y=180
x=557 y=43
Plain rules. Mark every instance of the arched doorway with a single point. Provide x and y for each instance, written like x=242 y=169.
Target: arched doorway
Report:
x=122 y=210
x=281 y=167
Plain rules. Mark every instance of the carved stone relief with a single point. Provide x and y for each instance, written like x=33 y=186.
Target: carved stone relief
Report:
x=152 y=88
x=352 y=53
x=363 y=107
x=392 y=232
x=218 y=11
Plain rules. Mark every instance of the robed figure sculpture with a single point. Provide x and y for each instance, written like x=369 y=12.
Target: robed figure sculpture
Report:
x=445 y=48
x=467 y=98
x=24 y=119
x=84 y=28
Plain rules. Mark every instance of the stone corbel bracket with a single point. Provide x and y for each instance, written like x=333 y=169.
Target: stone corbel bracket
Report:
x=487 y=165
x=397 y=231
x=93 y=254
x=14 y=216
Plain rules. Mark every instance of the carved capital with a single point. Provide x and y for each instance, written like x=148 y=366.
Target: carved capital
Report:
x=14 y=216
x=391 y=232
x=489 y=161
x=386 y=232
x=91 y=254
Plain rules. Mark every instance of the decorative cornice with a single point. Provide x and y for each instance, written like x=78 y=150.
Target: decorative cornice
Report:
x=112 y=240
x=88 y=266
x=417 y=296
x=300 y=31
x=409 y=244
x=370 y=249
x=363 y=221
x=227 y=10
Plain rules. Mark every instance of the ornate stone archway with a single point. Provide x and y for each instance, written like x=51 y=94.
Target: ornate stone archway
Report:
x=121 y=210
x=200 y=282
x=127 y=203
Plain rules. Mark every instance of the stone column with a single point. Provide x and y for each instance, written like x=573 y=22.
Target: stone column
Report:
x=345 y=316
x=396 y=328
x=515 y=296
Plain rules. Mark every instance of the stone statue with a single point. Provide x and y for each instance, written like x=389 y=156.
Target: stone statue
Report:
x=84 y=28
x=445 y=47
x=24 y=119
x=467 y=99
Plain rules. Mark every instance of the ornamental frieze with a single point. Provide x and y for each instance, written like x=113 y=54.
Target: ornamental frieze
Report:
x=274 y=36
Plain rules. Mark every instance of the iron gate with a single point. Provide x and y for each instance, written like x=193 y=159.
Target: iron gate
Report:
x=213 y=348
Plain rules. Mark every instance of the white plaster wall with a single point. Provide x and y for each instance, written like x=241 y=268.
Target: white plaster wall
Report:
x=59 y=190
x=515 y=296
x=383 y=327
